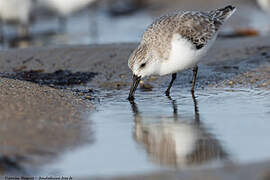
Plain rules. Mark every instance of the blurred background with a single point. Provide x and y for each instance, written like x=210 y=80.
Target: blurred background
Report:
x=25 y=23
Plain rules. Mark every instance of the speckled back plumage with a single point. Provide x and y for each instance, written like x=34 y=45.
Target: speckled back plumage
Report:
x=197 y=27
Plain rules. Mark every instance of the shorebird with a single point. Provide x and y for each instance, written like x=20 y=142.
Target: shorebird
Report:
x=16 y=12
x=175 y=42
x=64 y=8
x=265 y=5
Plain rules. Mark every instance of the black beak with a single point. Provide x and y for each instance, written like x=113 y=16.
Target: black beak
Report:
x=136 y=80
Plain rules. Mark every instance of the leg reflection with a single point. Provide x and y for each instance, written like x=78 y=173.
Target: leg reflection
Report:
x=174 y=106
x=196 y=110
x=176 y=141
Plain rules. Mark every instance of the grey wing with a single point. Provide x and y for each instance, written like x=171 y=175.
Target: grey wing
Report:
x=197 y=27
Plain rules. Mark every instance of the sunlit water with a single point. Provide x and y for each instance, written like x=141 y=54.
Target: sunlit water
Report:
x=158 y=133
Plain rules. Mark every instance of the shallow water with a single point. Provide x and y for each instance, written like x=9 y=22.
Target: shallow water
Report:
x=158 y=133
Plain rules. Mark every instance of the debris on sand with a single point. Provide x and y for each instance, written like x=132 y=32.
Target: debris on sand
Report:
x=145 y=86
x=56 y=79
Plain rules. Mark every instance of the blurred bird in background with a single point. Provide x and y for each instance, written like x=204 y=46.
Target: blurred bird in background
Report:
x=16 y=12
x=63 y=8
x=26 y=14
x=265 y=5
x=26 y=23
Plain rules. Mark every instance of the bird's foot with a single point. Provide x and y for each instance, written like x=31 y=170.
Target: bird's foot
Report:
x=167 y=93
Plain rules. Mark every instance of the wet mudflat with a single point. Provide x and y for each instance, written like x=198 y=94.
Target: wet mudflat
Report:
x=211 y=129
x=226 y=122
x=128 y=139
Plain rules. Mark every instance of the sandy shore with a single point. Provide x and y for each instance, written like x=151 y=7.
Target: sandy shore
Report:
x=38 y=123
x=26 y=106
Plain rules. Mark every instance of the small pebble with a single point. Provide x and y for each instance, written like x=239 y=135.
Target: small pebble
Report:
x=231 y=83
x=122 y=76
x=88 y=97
x=264 y=84
x=146 y=86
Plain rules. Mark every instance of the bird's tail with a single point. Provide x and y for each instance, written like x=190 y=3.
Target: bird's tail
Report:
x=224 y=13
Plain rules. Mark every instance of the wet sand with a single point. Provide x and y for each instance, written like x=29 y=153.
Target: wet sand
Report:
x=231 y=59
x=37 y=124
x=31 y=111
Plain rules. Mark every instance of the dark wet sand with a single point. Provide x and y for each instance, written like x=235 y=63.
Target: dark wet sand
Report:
x=37 y=120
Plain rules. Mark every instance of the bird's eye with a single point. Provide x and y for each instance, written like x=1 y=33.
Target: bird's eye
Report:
x=142 y=65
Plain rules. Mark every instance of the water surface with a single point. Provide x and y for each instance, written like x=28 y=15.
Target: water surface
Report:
x=184 y=131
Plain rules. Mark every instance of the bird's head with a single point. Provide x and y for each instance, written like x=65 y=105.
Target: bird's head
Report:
x=142 y=64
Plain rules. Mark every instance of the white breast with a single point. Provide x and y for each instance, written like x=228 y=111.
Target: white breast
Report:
x=183 y=55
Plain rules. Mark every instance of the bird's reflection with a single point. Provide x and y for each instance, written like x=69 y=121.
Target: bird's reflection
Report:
x=177 y=141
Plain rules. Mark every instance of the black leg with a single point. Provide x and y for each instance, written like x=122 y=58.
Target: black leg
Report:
x=167 y=92
x=195 y=70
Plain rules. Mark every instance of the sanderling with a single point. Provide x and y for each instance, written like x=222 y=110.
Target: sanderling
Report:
x=265 y=5
x=176 y=42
